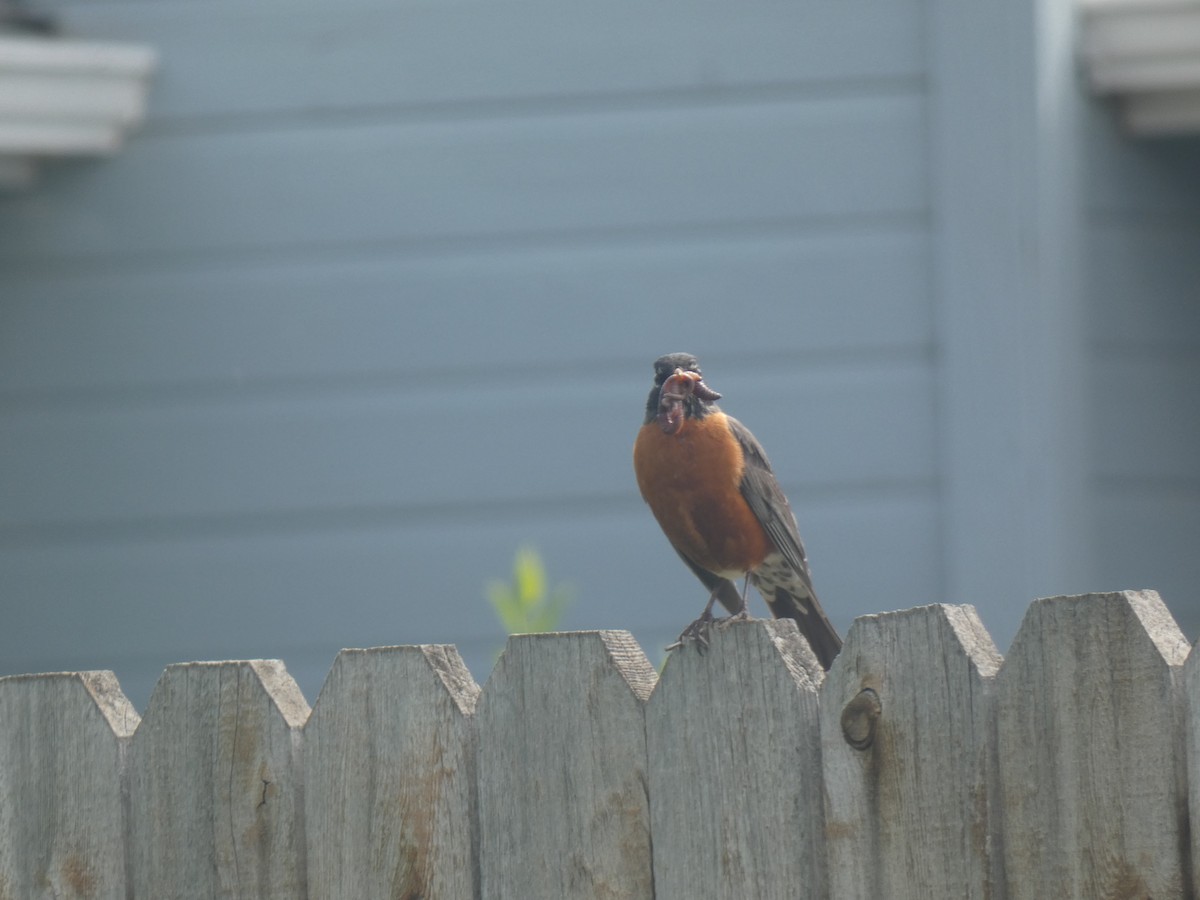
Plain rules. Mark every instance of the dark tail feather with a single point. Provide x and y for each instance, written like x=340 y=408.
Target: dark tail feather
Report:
x=814 y=624
x=729 y=595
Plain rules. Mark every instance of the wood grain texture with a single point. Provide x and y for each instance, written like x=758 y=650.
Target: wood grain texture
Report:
x=735 y=767
x=389 y=785
x=63 y=822
x=215 y=784
x=1061 y=772
x=912 y=815
x=1191 y=687
x=563 y=807
x=1091 y=750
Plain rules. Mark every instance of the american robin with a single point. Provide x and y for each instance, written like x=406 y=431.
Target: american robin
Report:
x=709 y=484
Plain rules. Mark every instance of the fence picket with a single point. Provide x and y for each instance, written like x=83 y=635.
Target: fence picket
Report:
x=909 y=812
x=1191 y=687
x=921 y=767
x=215 y=786
x=389 y=772
x=563 y=811
x=1091 y=750
x=735 y=770
x=63 y=738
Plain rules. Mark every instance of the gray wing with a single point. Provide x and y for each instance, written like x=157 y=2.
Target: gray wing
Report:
x=790 y=595
x=768 y=503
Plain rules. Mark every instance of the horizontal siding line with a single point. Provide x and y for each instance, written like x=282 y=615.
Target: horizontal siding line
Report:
x=1164 y=487
x=162 y=124
x=1181 y=219
x=287 y=523
x=1181 y=348
x=461 y=246
x=1141 y=220
x=495 y=378
x=64 y=7
x=644 y=171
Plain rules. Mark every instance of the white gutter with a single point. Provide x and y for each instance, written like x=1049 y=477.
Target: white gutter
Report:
x=66 y=98
x=1145 y=53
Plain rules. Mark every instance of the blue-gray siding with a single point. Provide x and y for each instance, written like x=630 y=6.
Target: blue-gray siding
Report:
x=372 y=298
x=1143 y=240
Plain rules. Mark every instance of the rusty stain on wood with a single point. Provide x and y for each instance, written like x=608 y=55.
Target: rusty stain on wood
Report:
x=79 y=876
x=1060 y=772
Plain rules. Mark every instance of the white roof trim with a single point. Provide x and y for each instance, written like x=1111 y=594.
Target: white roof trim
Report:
x=1146 y=53
x=66 y=98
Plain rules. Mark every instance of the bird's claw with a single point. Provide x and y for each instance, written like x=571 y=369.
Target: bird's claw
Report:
x=743 y=616
x=697 y=631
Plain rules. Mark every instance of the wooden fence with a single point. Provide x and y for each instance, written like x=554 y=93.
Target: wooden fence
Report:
x=922 y=766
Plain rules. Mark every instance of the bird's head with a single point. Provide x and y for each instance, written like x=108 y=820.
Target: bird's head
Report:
x=679 y=392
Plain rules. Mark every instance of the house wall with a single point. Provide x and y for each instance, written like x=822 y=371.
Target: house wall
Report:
x=1143 y=252
x=372 y=298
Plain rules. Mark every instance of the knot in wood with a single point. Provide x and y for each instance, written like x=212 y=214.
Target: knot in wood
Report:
x=859 y=719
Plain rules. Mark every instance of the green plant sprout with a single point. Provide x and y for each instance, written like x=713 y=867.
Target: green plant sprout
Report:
x=528 y=605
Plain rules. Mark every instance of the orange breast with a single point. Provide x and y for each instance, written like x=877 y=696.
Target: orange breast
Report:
x=691 y=482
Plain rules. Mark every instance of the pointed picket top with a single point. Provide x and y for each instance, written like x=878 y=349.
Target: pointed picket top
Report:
x=389 y=761
x=1091 y=749
x=906 y=745
x=215 y=783
x=100 y=686
x=62 y=748
x=111 y=702
x=563 y=811
x=735 y=766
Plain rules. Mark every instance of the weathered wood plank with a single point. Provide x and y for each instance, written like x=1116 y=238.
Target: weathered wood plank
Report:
x=63 y=824
x=1191 y=683
x=215 y=784
x=563 y=810
x=1091 y=750
x=389 y=777
x=735 y=767
x=910 y=815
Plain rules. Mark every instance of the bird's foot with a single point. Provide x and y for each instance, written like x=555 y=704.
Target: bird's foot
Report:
x=743 y=616
x=697 y=631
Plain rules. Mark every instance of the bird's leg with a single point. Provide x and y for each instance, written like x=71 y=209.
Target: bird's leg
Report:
x=744 y=613
x=698 y=630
